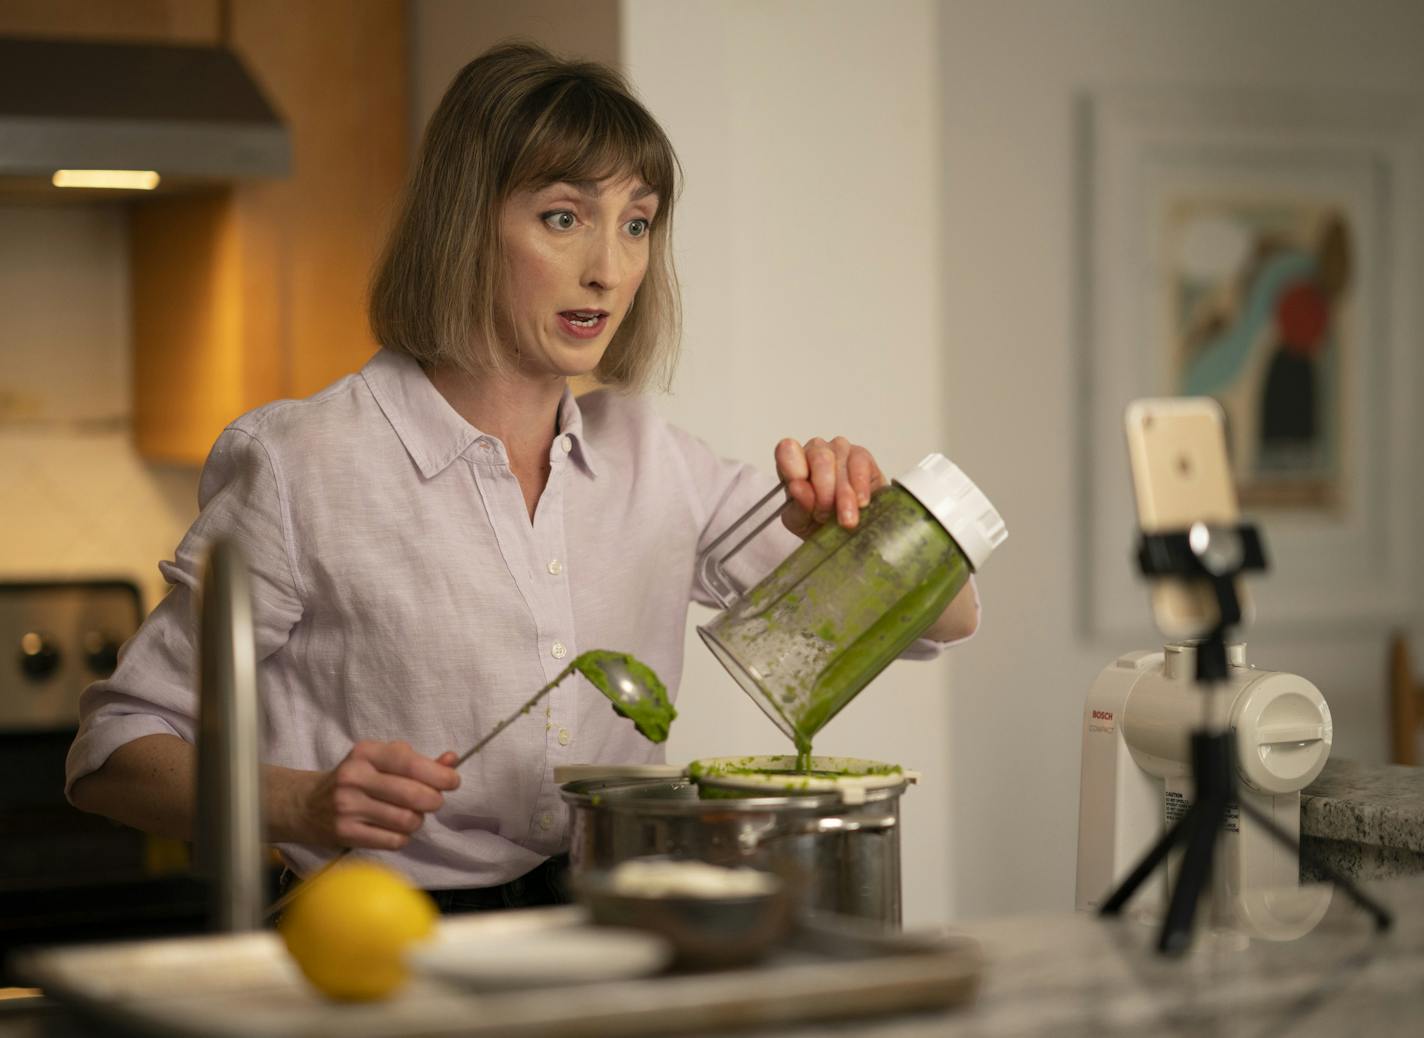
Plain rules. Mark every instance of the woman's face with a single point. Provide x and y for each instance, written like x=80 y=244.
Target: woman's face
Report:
x=575 y=254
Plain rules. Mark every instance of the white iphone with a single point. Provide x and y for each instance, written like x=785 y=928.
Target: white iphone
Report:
x=1181 y=475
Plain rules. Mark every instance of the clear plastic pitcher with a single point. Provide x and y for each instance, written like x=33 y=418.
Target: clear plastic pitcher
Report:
x=807 y=638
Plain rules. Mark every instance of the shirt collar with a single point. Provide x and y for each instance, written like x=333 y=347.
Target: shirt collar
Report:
x=571 y=425
x=431 y=431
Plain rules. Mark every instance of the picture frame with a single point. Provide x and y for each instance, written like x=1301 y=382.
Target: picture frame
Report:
x=1262 y=248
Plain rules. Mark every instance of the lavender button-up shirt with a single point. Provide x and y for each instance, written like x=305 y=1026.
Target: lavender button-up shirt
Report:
x=402 y=592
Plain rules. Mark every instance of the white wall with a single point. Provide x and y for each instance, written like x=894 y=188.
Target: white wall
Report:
x=1010 y=72
x=78 y=501
x=808 y=247
x=446 y=34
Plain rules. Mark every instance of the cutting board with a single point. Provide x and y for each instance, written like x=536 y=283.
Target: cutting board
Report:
x=246 y=985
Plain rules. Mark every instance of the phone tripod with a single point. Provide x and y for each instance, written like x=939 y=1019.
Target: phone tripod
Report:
x=1218 y=555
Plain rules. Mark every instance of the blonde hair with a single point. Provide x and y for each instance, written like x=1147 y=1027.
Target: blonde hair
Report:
x=515 y=118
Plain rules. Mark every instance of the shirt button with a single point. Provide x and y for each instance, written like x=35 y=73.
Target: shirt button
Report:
x=564 y=736
x=547 y=821
x=558 y=651
x=485 y=445
x=555 y=567
x=566 y=442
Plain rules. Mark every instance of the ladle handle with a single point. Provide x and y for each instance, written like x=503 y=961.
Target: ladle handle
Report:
x=720 y=584
x=514 y=716
x=287 y=898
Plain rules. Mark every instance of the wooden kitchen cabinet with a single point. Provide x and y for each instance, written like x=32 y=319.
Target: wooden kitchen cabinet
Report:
x=170 y=21
x=259 y=292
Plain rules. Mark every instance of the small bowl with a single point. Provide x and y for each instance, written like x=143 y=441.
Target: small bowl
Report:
x=542 y=958
x=707 y=931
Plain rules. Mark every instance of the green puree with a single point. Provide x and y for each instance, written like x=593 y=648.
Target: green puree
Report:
x=873 y=651
x=699 y=769
x=652 y=713
x=706 y=773
x=838 y=610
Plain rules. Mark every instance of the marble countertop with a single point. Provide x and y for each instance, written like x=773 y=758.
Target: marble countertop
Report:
x=1084 y=976
x=1074 y=974
x=1380 y=805
x=1071 y=974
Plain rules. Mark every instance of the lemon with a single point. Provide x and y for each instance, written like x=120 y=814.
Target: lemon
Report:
x=349 y=928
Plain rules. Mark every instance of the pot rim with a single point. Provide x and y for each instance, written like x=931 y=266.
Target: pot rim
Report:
x=582 y=793
x=850 y=778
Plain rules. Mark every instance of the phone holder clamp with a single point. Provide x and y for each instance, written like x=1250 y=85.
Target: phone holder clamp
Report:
x=1216 y=555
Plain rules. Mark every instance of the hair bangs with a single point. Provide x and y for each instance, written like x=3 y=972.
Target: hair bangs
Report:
x=587 y=133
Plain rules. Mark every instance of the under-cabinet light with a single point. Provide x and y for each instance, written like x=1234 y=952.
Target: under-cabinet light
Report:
x=124 y=179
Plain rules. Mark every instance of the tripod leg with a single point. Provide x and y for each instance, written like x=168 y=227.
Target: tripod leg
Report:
x=1206 y=817
x=1383 y=918
x=1144 y=868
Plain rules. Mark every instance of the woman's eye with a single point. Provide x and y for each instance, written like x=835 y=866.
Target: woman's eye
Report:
x=637 y=228
x=562 y=220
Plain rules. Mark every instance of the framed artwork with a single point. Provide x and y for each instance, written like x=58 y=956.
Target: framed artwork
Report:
x=1261 y=249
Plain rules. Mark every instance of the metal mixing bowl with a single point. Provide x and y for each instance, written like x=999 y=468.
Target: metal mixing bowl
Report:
x=706 y=931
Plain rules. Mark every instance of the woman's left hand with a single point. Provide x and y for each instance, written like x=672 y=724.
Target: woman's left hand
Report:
x=824 y=480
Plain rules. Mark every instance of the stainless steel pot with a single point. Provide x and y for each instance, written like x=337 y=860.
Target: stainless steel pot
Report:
x=835 y=856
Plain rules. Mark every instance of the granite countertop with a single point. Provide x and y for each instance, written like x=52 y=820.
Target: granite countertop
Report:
x=1380 y=805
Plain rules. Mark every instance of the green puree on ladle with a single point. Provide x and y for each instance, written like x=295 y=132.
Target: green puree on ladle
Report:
x=632 y=688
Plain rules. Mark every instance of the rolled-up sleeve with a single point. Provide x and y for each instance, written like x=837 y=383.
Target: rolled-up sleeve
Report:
x=153 y=690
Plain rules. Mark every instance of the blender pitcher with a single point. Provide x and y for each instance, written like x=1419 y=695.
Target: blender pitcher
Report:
x=845 y=603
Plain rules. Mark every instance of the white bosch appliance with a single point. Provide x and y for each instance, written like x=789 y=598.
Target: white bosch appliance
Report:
x=1136 y=781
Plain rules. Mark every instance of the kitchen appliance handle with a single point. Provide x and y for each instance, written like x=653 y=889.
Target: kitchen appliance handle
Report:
x=720 y=584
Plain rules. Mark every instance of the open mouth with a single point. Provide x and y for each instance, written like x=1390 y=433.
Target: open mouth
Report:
x=584 y=324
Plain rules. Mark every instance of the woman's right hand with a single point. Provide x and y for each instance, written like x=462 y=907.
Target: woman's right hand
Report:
x=376 y=797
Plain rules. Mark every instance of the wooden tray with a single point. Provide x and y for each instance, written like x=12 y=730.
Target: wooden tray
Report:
x=246 y=985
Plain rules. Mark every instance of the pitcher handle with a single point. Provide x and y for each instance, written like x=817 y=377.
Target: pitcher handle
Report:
x=720 y=584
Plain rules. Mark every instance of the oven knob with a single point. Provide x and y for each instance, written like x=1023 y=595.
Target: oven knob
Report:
x=38 y=658
x=101 y=652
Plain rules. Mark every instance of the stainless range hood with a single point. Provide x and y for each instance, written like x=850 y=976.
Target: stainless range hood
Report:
x=192 y=114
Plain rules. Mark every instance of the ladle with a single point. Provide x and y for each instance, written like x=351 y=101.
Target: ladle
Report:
x=632 y=687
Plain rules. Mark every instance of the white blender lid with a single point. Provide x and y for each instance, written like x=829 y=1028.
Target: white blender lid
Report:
x=960 y=506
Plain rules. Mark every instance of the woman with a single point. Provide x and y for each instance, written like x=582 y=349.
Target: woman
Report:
x=432 y=538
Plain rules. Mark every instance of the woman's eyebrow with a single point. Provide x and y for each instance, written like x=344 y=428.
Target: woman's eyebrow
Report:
x=594 y=189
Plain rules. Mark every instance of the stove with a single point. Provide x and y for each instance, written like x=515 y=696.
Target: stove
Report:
x=58 y=637
x=66 y=875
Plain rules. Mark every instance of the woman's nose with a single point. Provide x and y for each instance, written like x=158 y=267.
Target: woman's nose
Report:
x=603 y=266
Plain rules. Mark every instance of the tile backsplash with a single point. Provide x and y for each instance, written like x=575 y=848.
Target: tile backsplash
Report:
x=77 y=498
